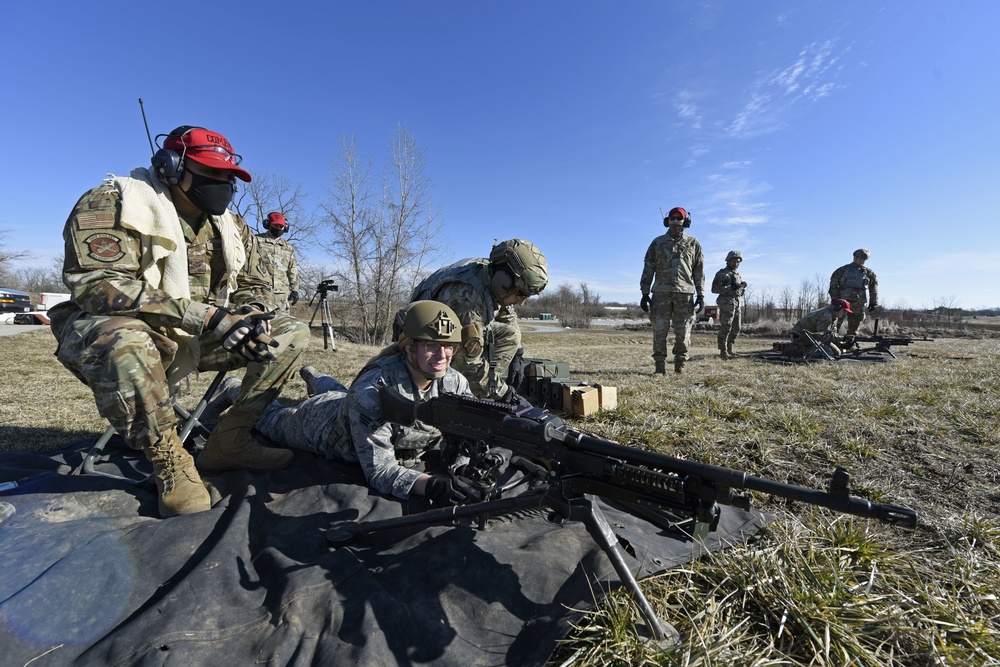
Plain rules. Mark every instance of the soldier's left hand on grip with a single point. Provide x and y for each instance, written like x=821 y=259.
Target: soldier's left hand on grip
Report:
x=699 y=304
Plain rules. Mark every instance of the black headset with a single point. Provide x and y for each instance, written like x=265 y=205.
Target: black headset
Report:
x=168 y=165
x=501 y=278
x=687 y=220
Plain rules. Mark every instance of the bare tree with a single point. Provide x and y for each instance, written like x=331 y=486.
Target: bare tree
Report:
x=268 y=192
x=8 y=258
x=380 y=235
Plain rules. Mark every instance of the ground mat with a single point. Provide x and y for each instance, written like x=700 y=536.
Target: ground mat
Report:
x=90 y=576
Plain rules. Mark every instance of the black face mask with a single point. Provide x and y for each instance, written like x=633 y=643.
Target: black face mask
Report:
x=276 y=231
x=210 y=195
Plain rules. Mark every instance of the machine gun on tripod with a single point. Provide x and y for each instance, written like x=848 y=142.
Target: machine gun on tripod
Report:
x=571 y=468
x=323 y=308
x=880 y=344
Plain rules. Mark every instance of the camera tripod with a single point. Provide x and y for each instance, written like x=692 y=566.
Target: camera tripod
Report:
x=323 y=308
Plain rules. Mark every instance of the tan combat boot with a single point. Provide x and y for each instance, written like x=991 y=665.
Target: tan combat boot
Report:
x=678 y=365
x=231 y=447
x=661 y=367
x=178 y=485
x=722 y=353
x=729 y=350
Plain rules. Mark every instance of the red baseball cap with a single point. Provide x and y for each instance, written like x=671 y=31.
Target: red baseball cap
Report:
x=842 y=303
x=206 y=147
x=679 y=211
x=275 y=219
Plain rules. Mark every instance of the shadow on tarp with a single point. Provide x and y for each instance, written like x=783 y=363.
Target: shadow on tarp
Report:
x=90 y=576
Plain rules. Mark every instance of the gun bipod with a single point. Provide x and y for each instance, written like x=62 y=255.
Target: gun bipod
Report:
x=581 y=508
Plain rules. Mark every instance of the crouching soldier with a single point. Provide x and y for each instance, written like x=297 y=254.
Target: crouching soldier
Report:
x=821 y=326
x=166 y=279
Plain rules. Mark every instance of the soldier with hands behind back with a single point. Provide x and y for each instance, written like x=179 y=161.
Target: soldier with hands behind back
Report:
x=676 y=263
x=166 y=279
x=279 y=258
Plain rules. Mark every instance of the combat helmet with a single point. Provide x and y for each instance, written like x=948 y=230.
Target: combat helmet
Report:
x=863 y=252
x=734 y=254
x=427 y=320
x=518 y=266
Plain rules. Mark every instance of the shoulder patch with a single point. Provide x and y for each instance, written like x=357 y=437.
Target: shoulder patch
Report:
x=95 y=220
x=104 y=247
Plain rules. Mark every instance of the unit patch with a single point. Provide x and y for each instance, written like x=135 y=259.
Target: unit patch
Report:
x=473 y=347
x=104 y=247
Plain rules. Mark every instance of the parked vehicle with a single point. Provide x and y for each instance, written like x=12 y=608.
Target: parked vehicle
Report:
x=14 y=301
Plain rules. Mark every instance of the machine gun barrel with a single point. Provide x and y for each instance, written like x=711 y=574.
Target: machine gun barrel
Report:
x=592 y=464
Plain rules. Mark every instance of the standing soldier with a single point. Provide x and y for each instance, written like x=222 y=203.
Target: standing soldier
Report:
x=166 y=279
x=676 y=260
x=278 y=256
x=730 y=287
x=483 y=292
x=850 y=282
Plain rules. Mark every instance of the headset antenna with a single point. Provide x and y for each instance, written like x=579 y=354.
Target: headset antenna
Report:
x=148 y=136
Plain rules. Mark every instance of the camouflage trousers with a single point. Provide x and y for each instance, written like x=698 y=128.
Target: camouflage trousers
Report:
x=310 y=426
x=671 y=310
x=730 y=320
x=855 y=318
x=127 y=364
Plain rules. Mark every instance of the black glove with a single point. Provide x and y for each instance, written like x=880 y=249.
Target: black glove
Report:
x=243 y=333
x=515 y=372
x=644 y=303
x=514 y=398
x=442 y=491
x=293 y=297
x=699 y=304
x=872 y=308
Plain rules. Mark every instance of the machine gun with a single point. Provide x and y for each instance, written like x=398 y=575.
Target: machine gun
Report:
x=571 y=468
x=880 y=344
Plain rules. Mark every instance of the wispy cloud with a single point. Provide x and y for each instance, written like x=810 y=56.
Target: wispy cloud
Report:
x=812 y=76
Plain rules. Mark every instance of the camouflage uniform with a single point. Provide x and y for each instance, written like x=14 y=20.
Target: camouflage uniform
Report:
x=278 y=256
x=489 y=331
x=850 y=282
x=348 y=425
x=679 y=268
x=729 y=286
x=131 y=342
x=820 y=325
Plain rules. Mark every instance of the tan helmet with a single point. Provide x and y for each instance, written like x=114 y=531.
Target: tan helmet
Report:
x=864 y=252
x=427 y=320
x=518 y=265
x=734 y=254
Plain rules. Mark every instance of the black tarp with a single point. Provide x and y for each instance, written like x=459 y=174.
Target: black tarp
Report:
x=90 y=576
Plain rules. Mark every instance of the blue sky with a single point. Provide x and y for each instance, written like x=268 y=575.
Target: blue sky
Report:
x=795 y=131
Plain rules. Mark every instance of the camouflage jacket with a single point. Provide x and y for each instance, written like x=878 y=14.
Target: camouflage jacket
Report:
x=850 y=282
x=816 y=322
x=465 y=286
x=388 y=451
x=112 y=269
x=677 y=264
x=727 y=284
x=278 y=256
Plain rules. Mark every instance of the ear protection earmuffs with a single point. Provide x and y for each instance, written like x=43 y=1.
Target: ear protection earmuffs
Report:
x=501 y=279
x=168 y=165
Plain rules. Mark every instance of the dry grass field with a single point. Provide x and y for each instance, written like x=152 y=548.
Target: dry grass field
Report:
x=816 y=588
